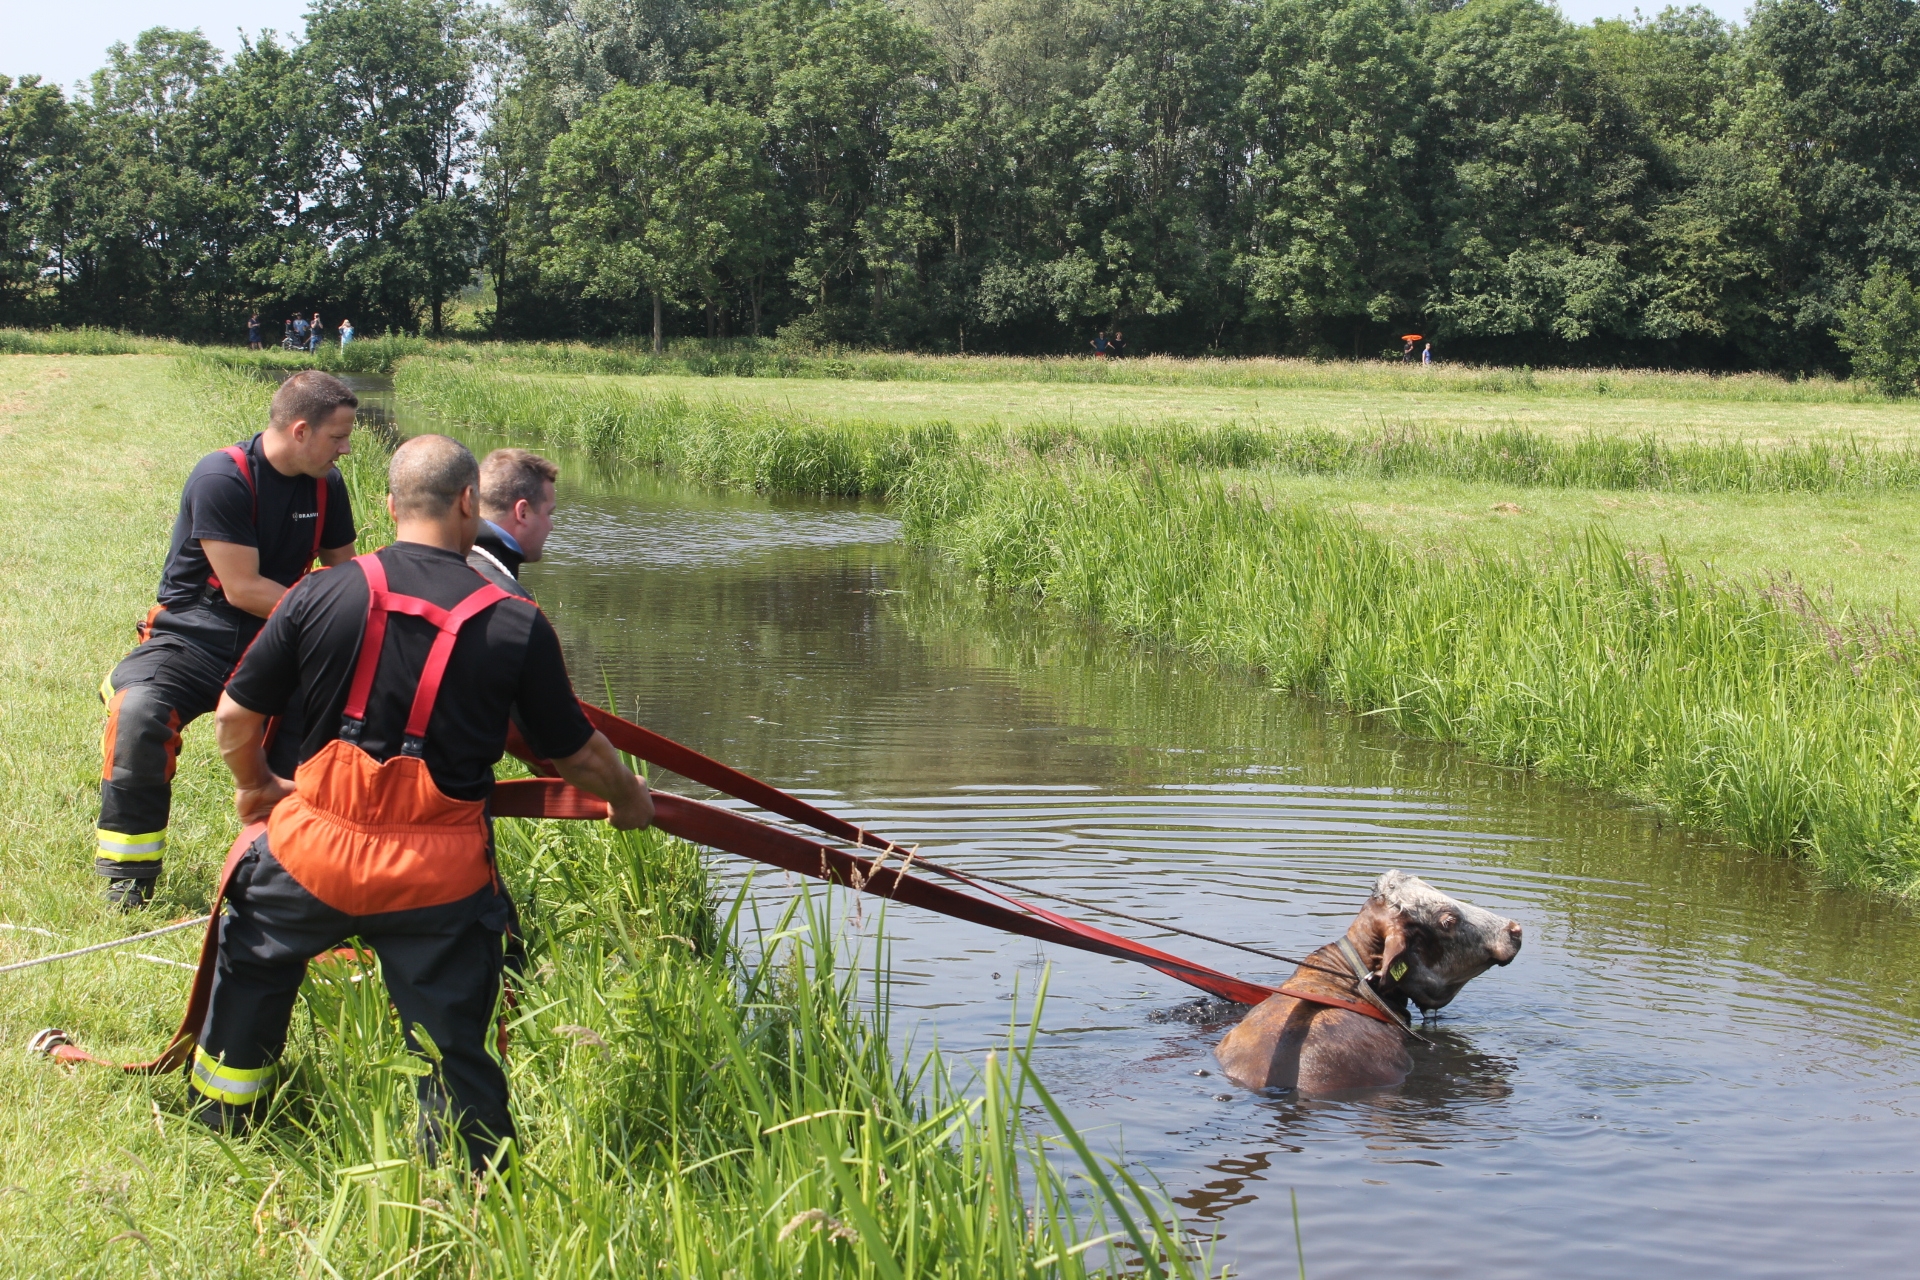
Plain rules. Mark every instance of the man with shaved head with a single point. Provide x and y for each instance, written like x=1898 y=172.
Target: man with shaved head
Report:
x=405 y=664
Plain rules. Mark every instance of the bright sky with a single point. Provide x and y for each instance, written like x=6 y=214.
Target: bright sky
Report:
x=65 y=40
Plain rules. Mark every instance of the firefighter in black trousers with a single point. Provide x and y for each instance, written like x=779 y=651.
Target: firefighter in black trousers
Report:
x=404 y=665
x=253 y=518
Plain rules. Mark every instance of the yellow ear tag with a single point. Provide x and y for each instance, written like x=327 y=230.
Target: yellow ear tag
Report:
x=1399 y=970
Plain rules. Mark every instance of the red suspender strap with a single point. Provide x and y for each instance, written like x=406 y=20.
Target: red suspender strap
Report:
x=239 y=457
x=436 y=668
x=372 y=636
x=381 y=602
x=319 y=520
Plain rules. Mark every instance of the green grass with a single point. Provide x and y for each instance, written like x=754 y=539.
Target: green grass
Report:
x=1408 y=390
x=689 y=1107
x=82 y=342
x=783 y=446
x=1348 y=399
x=1857 y=553
x=1737 y=710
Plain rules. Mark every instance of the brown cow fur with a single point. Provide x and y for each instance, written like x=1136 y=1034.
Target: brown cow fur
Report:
x=1286 y=1043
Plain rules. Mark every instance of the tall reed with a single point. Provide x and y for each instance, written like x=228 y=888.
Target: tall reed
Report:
x=687 y=1109
x=776 y=450
x=1737 y=709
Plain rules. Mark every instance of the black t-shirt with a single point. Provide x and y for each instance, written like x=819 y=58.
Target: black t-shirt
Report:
x=217 y=504
x=507 y=658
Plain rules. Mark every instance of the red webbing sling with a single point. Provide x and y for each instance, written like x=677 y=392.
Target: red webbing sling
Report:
x=717 y=828
x=180 y=1047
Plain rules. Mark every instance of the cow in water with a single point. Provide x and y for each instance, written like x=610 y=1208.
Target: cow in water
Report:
x=1415 y=944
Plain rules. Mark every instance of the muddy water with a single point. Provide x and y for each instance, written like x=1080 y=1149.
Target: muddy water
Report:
x=1700 y=1064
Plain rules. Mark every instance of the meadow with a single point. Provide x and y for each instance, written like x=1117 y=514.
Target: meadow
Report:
x=1716 y=626
x=701 y=1092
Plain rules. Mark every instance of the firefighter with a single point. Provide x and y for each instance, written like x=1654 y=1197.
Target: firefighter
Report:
x=253 y=518
x=516 y=515
x=404 y=664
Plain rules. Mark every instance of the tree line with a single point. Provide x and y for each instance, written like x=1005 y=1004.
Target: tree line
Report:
x=1299 y=176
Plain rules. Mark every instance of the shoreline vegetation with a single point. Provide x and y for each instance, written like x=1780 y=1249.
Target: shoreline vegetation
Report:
x=1749 y=706
x=767 y=358
x=701 y=1092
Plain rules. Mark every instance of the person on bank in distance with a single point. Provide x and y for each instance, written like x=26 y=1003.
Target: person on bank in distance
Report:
x=403 y=666
x=516 y=515
x=253 y=518
x=346 y=333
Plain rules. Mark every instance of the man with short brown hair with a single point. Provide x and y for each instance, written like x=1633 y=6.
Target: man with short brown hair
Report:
x=253 y=517
x=516 y=515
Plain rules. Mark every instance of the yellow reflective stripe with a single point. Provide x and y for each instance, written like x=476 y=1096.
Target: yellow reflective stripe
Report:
x=106 y=687
x=121 y=847
x=236 y=1086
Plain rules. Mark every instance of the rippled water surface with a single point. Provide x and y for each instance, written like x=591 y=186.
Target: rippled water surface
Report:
x=1700 y=1064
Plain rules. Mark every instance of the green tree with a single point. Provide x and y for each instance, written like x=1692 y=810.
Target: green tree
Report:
x=1337 y=104
x=1845 y=75
x=651 y=190
x=398 y=81
x=838 y=86
x=37 y=136
x=1881 y=331
x=1540 y=181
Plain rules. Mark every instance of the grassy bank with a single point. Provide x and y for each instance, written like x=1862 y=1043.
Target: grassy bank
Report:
x=829 y=447
x=1735 y=709
x=689 y=1108
x=1717 y=682
x=746 y=359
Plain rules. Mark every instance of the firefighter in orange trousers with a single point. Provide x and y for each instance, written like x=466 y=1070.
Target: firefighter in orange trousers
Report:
x=405 y=663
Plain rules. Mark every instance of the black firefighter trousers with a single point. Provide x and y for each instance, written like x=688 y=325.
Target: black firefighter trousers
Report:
x=172 y=679
x=442 y=967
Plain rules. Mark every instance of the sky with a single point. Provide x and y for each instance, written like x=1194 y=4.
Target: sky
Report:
x=65 y=40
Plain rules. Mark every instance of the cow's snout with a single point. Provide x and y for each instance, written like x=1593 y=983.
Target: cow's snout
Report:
x=1506 y=943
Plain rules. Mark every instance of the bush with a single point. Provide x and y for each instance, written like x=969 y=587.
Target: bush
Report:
x=1881 y=331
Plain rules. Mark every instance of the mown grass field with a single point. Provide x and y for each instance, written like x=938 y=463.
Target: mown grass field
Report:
x=1717 y=627
x=1391 y=399
x=688 y=1108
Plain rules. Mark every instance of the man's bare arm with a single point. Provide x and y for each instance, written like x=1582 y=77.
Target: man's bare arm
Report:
x=241 y=734
x=597 y=767
x=331 y=556
x=238 y=569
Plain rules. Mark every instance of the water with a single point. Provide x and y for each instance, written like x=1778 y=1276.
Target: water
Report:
x=1701 y=1063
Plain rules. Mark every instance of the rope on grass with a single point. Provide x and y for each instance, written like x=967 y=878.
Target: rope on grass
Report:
x=175 y=927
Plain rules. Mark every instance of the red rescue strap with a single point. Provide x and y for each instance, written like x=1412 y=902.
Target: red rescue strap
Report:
x=548 y=796
x=180 y=1048
x=734 y=833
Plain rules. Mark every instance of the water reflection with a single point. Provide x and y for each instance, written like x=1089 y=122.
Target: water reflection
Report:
x=1701 y=1062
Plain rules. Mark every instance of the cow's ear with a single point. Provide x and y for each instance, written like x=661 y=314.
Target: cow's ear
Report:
x=1388 y=927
